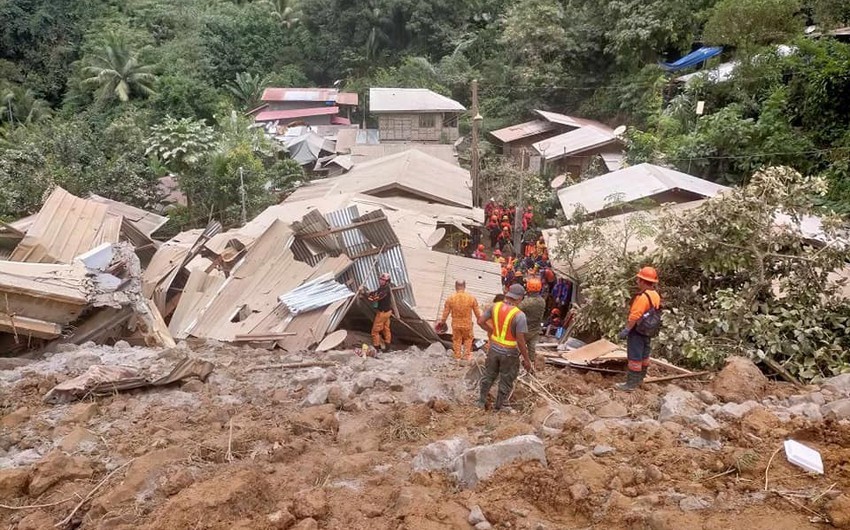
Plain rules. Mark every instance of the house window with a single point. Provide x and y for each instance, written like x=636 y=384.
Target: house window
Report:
x=427 y=121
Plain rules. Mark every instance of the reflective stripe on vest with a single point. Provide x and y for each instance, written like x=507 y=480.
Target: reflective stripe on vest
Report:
x=502 y=334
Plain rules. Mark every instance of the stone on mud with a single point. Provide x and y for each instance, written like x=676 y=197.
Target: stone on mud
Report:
x=476 y=515
x=839 y=384
x=440 y=455
x=435 y=349
x=310 y=503
x=838 y=511
x=612 y=409
x=736 y=411
x=740 y=380
x=13 y=482
x=837 y=410
x=318 y=396
x=478 y=463
x=557 y=416
x=58 y=467
x=679 y=404
x=810 y=411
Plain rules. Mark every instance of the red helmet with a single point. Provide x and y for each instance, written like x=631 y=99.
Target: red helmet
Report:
x=480 y=248
x=648 y=274
x=497 y=252
x=556 y=312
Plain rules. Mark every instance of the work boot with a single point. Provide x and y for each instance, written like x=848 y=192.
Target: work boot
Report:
x=633 y=380
x=642 y=375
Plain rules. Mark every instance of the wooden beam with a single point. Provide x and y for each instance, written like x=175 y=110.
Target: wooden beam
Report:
x=674 y=377
x=263 y=337
x=342 y=228
x=30 y=327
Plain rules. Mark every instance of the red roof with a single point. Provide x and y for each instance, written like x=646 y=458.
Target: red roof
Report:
x=331 y=95
x=339 y=120
x=272 y=115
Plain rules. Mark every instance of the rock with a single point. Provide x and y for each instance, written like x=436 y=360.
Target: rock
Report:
x=79 y=439
x=705 y=423
x=838 y=511
x=810 y=411
x=837 y=410
x=281 y=519
x=318 y=396
x=310 y=503
x=476 y=515
x=36 y=521
x=15 y=418
x=707 y=397
x=653 y=474
x=364 y=382
x=557 y=416
x=612 y=409
x=81 y=414
x=693 y=503
x=603 y=450
x=178 y=481
x=55 y=468
x=436 y=350
x=280 y=396
x=478 y=463
x=306 y=524
x=372 y=510
x=81 y=362
x=312 y=419
x=10 y=363
x=193 y=385
x=122 y=345
x=579 y=491
x=740 y=380
x=308 y=377
x=840 y=384
x=817 y=398
x=588 y=471
x=335 y=395
x=439 y=455
x=737 y=411
x=13 y=482
x=439 y=405
x=483 y=525
x=678 y=404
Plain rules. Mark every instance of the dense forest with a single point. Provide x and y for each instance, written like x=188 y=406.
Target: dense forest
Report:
x=104 y=96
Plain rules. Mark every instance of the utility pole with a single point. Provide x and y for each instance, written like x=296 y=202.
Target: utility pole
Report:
x=476 y=163
x=243 y=194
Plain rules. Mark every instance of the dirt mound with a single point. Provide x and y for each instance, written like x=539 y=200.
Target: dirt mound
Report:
x=240 y=494
x=739 y=381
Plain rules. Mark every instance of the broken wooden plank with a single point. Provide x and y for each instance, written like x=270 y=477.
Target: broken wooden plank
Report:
x=289 y=366
x=29 y=327
x=674 y=377
x=263 y=337
x=671 y=366
x=779 y=369
x=593 y=351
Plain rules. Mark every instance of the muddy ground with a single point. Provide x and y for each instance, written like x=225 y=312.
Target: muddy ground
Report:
x=333 y=447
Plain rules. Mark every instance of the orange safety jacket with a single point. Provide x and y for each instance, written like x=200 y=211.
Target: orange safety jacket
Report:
x=503 y=316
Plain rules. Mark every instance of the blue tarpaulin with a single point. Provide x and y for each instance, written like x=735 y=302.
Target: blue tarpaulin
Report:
x=692 y=59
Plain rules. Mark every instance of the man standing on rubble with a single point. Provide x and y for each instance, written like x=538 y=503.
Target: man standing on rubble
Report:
x=643 y=324
x=506 y=325
x=461 y=305
x=534 y=308
x=383 y=303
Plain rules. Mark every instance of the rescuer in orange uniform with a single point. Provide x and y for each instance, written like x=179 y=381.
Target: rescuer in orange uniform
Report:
x=461 y=305
x=381 y=298
x=507 y=326
x=643 y=324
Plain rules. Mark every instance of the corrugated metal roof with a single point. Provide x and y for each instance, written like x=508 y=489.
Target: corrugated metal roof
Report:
x=367 y=153
x=410 y=100
x=574 y=142
x=630 y=184
x=569 y=121
x=310 y=94
x=339 y=120
x=345 y=139
x=65 y=227
x=614 y=160
x=294 y=114
x=433 y=276
x=523 y=130
x=146 y=222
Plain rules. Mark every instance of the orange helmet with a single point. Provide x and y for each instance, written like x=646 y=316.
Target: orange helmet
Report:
x=480 y=248
x=648 y=274
x=497 y=252
x=505 y=229
x=556 y=312
x=533 y=285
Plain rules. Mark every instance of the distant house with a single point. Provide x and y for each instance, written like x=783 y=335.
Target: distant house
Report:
x=414 y=115
x=597 y=196
x=565 y=144
x=306 y=106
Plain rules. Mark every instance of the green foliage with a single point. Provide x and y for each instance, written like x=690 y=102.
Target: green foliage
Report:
x=180 y=144
x=733 y=279
x=745 y=23
x=247 y=89
x=19 y=105
x=115 y=72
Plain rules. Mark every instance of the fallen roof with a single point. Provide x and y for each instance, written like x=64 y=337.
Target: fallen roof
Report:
x=146 y=222
x=433 y=275
x=65 y=227
x=523 y=130
x=310 y=94
x=367 y=153
x=294 y=114
x=569 y=121
x=631 y=184
x=410 y=100
x=409 y=173
x=574 y=142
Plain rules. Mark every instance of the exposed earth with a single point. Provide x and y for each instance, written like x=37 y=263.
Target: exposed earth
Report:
x=396 y=443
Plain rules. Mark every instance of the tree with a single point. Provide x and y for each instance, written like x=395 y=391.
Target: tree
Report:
x=19 y=105
x=247 y=89
x=287 y=12
x=180 y=144
x=115 y=72
x=748 y=23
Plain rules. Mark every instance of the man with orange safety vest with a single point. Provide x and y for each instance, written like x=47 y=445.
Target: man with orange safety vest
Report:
x=643 y=323
x=461 y=305
x=507 y=326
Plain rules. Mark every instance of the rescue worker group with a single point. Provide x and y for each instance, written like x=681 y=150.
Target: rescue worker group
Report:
x=516 y=319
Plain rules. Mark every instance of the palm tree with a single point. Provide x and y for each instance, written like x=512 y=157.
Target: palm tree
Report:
x=115 y=72
x=21 y=106
x=247 y=89
x=286 y=11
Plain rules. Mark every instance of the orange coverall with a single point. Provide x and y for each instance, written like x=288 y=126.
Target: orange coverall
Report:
x=461 y=306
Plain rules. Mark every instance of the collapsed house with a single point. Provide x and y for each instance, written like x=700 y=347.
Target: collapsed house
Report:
x=72 y=273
